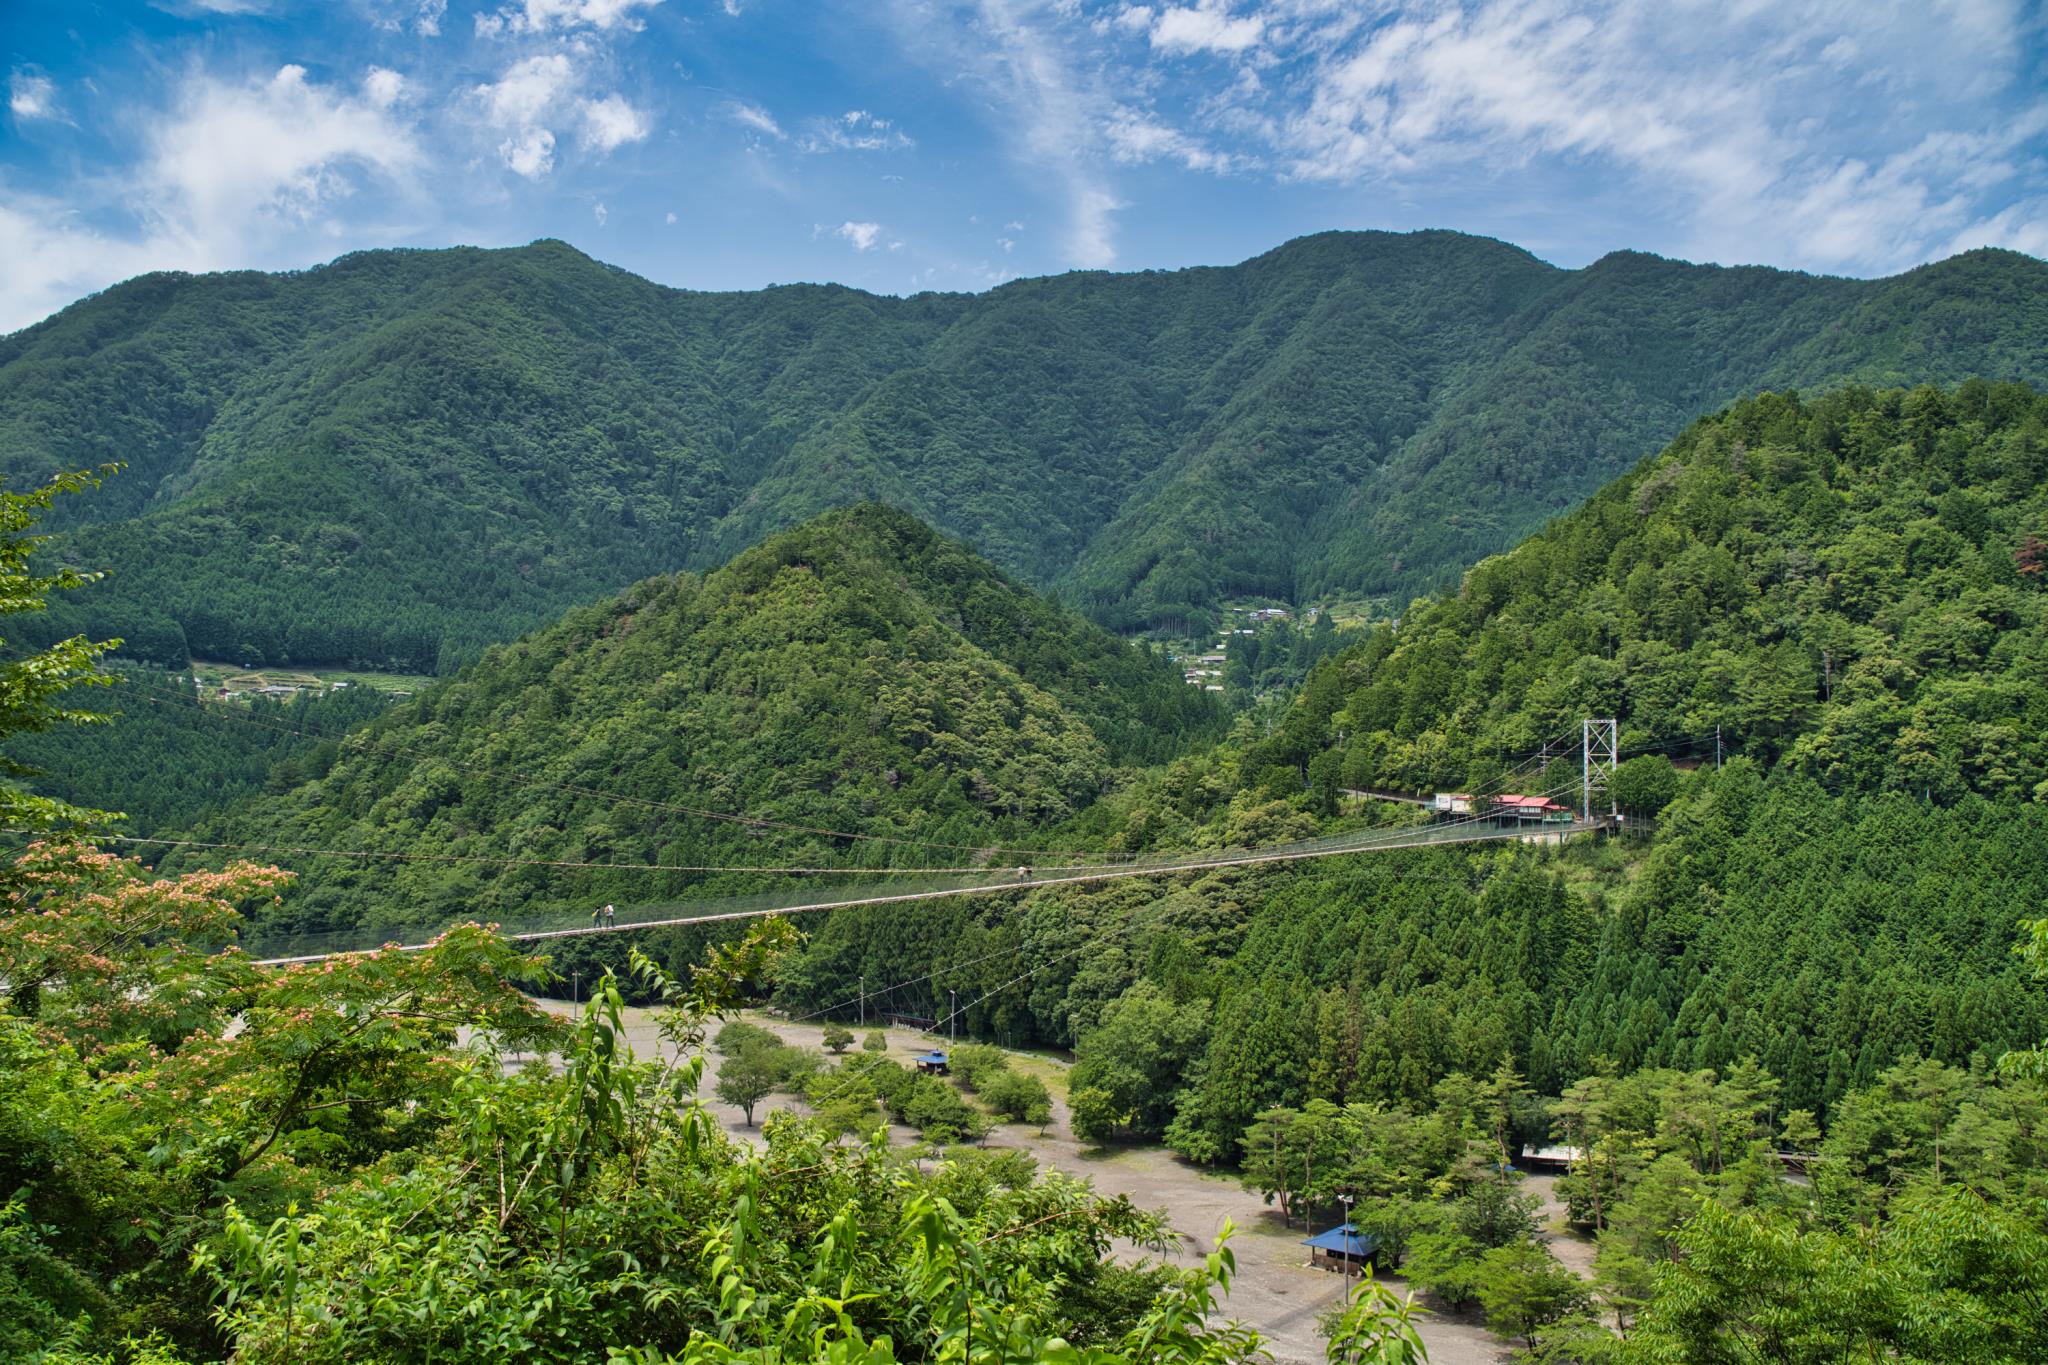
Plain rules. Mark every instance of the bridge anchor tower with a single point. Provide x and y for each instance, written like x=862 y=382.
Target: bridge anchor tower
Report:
x=1599 y=751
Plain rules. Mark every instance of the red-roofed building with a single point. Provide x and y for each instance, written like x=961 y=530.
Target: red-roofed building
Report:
x=1528 y=810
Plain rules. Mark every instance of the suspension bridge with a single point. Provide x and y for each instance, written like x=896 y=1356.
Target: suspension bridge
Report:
x=988 y=870
x=904 y=889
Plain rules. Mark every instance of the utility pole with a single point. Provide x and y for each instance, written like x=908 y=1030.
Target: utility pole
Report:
x=863 y=1002
x=1717 y=745
x=952 y=1017
x=1598 y=752
x=576 y=990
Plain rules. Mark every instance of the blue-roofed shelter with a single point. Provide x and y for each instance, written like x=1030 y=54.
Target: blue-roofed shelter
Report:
x=933 y=1063
x=1343 y=1247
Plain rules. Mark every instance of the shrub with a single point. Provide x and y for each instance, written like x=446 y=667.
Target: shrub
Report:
x=735 y=1037
x=1446 y=1266
x=1013 y=1095
x=794 y=1067
x=978 y=1063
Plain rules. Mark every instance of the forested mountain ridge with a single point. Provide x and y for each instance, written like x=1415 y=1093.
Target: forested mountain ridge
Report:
x=857 y=674
x=1850 y=586
x=404 y=456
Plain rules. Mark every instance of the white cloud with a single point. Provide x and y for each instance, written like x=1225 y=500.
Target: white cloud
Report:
x=302 y=152
x=2017 y=227
x=1131 y=19
x=544 y=16
x=610 y=122
x=862 y=235
x=670 y=220
x=755 y=117
x=600 y=212
x=529 y=152
x=295 y=146
x=528 y=90
x=31 y=96
x=382 y=86
x=1207 y=28
x=1008 y=244
x=523 y=103
x=49 y=258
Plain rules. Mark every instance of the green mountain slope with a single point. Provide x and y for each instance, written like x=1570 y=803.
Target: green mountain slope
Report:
x=858 y=674
x=1852 y=587
x=404 y=456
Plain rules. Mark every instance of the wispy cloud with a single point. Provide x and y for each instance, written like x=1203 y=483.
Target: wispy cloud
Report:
x=1134 y=136
x=1697 y=108
x=30 y=96
x=303 y=154
x=750 y=115
x=1839 y=136
x=854 y=131
x=1027 y=59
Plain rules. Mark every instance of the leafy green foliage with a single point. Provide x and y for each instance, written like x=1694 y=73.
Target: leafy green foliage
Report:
x=1950 y=1277
x=749 y=1076
x=1840 y=585
x=1523 y=1289
x=330 y=1162
x=1376 y=1328
x=1131 y=1063
x=33 y=685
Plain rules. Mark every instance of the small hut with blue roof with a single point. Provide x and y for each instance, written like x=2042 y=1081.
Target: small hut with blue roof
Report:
x=1341 y=1248
x=933 y=1063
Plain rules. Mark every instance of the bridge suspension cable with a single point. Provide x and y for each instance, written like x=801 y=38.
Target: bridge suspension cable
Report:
x=1462 y=831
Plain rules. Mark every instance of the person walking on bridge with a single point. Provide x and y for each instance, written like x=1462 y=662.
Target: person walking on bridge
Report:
x=611 y=917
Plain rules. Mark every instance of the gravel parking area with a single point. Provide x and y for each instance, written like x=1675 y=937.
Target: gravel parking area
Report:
x=1276 y=1290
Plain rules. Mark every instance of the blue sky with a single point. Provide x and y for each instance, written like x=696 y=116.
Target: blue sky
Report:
x=900 y=145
